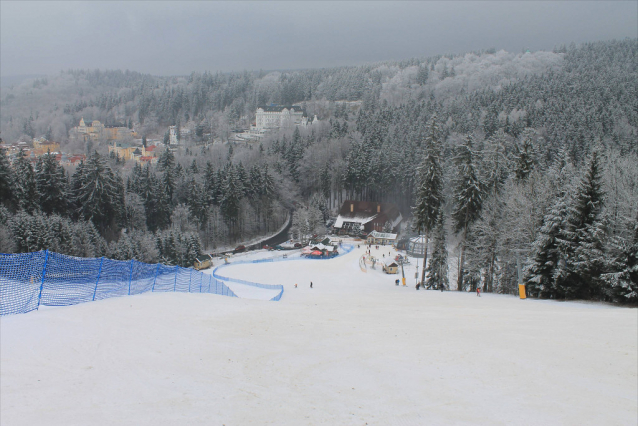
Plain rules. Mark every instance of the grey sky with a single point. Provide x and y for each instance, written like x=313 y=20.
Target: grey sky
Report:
x=179 y=37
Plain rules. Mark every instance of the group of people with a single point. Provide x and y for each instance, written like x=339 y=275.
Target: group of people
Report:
x=310 y=284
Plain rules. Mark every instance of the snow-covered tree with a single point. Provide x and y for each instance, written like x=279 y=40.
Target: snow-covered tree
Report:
x=581 y=239
x=6 y=179
x=25 y=187
x=429 y=198
x=622 y=278
x=437 y=268
x=98 y=193
x=52 y=185
x=468 y=197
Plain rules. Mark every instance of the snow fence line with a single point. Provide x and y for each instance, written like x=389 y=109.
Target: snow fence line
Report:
x=347 y=248
x=29 y=280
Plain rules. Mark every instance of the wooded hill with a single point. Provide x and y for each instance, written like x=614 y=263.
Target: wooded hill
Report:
x=526 y=131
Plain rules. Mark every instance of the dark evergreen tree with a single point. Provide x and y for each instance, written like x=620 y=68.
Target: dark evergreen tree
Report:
x=622 y=275
x=581 y=239
x=52 y=185
x=524 y=162
x=166 y=164
x=468 y=197
x=6 y=180
x=429 y=199
x=437 y=268
x=25 y=188
x=98 y=193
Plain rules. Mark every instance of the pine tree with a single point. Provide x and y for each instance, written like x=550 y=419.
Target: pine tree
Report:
x=468 y=197
x=230 y=199
x=429 y=200
x=622 y=278
x=539 y=275
x=6 y=179
x=52 y=185
x=422 y=75
x=437 y=268
x=98 y=193
x=166 y=164
x=25 y=188
x=525 y=157
x=194 y=170
x=581 y=239
x=546 y=253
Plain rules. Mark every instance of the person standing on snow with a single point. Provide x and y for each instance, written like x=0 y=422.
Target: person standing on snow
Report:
x=310 y=284
x=478 y=291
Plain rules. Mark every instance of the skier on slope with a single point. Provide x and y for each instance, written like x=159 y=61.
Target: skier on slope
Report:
x=310 y=284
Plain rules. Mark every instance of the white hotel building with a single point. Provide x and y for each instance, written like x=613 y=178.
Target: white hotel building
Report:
x=271 y=117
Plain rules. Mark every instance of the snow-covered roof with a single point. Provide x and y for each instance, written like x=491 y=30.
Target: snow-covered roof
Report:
x=418 y=240
x=390 y=262
x=385 y=235
x=359 y=219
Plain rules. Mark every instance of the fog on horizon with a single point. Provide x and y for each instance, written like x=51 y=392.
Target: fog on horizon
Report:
x=170 y=38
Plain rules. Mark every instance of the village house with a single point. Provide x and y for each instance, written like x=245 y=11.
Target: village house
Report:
x=132 y=152
x=356 y=217
x=96 y=130
x=41 y=146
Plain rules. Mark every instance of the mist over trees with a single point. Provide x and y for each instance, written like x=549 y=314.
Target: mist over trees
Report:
x=536 y=158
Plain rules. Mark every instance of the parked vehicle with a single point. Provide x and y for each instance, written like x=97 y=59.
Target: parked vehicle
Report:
x=239 y=249
x=298 y=245
x=267 y=247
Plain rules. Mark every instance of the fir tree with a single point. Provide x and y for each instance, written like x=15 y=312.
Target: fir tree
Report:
x=98 y=193
x=524 y=162
x=25 y=187
x=468 y=197
x=52 y=185
x=581 y=239
x=546 y=254
x=6 y=179
x=437 y=268
x=430 y=191
x=622 y=278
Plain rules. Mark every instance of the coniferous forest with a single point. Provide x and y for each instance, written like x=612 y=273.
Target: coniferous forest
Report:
x=498 y=158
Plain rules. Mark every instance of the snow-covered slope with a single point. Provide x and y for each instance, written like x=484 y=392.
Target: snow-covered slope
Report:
x=353 y=350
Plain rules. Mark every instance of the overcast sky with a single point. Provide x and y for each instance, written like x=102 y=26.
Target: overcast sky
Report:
x=167 y=38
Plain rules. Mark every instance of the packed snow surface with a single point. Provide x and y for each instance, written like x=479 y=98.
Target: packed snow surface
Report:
x=353 y=350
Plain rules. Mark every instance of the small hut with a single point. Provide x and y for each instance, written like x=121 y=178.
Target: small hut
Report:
x=391 y=267
x=204 y=263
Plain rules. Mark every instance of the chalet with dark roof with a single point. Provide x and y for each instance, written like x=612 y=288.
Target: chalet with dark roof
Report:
x=366 y=216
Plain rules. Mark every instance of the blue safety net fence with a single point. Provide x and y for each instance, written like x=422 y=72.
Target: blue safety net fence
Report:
x=29 y=280
x=343 y=249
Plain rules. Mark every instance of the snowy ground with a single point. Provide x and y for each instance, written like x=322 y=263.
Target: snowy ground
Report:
x=353 y=350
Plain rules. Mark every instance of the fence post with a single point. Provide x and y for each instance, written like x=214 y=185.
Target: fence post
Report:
x=130 y=278
x=44 y=272
x=155 y=280
x=175 y=284
x=99 y=272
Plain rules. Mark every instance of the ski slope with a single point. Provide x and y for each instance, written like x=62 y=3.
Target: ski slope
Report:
x=353 y=350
